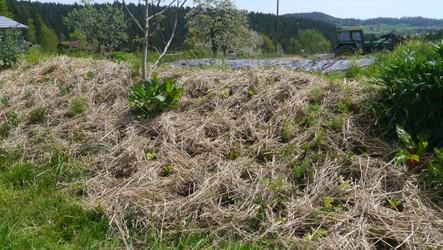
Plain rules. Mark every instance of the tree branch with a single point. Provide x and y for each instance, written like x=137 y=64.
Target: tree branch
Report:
x=155 y=66
x=133 y=17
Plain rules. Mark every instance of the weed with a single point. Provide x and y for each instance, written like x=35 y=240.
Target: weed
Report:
x=226 y=92
x=11 y=122
x=151 y=155
x=169 y=169
x=4 y=102
x=353 y=71
x=287 y=131
x=264 y=155
x=394 y=204
x=330 y=205
x=311 y=118
x=38 y=115
x=302 y=171
x=65 y=89
x=344 y=184
x=345 y=105
x=91 y=74
x=252 y=91
x=78 y=106
x=234 y=154
x=337 y=123
x=316 y=96
x=316 y=234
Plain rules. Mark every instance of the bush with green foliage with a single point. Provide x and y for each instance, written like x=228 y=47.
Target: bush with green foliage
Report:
x=9 y=49
x=310 y=42
x=152 y=97
x=412 y=90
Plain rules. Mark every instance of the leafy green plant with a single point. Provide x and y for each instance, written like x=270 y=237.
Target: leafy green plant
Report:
x=151 y=155
x=412 y=90
x=301 y=171
x=434 y=171
x=413 y=152
x=416 y=155
x=169 y=169
x=9 y=49
x=394 y=204
x=330 y=205
x=152 y=97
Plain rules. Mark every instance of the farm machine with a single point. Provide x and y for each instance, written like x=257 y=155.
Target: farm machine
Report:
x=351 y=42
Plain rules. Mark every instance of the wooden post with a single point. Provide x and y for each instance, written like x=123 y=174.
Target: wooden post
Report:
x=276 y=38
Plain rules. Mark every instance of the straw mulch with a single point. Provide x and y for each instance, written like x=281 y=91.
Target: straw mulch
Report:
x=230 y=159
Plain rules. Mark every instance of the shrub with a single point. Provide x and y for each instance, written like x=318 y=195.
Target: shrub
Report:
x=412 y=90
x=152 y=97
x=9 y=49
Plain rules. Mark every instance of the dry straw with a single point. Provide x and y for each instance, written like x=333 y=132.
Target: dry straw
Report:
x=224 y=161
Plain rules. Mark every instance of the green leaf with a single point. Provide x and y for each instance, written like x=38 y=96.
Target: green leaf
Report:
x=404 y=137
x=414 y=157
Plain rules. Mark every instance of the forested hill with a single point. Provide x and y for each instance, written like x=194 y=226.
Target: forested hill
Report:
x=52 y=15
x=381 y=24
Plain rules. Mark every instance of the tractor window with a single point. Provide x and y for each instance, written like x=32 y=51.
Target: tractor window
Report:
x=344 y=36
x=357 y=36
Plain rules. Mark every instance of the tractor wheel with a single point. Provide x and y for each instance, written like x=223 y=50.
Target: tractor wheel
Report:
x=345 y=51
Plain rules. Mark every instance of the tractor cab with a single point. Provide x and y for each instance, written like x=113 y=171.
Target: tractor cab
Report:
x=348 y=42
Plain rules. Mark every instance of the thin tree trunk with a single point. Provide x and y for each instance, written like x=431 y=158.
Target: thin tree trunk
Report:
x=145 y=43
x=145 y=61
x=214 y=44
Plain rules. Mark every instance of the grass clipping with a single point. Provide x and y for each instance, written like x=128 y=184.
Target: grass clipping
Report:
x=249 y=155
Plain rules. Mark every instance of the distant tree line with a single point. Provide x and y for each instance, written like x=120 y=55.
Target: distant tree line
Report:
x=46 y=22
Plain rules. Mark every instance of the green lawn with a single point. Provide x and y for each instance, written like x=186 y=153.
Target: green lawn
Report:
x=41 y=207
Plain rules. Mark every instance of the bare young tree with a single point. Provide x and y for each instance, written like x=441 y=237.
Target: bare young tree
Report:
x=153 y=10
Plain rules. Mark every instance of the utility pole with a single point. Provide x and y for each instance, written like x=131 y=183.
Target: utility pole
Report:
x=276 y=37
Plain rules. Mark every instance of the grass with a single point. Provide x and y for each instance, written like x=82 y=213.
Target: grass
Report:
x=41 y=207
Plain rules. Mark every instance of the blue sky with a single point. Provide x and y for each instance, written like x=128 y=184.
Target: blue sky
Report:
x=340 y=8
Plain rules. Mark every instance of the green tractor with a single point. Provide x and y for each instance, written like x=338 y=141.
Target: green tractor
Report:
x=351 y=42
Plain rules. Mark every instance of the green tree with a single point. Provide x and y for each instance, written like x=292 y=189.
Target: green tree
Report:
x=106 y=25
x=219 y=26
x=77 y=35
x=46 y=37
x=268 y=45
x=310 y=42
x=30 y=34
x=4 y=10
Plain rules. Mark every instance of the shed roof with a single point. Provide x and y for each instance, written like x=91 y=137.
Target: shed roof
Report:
x=6 y=23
